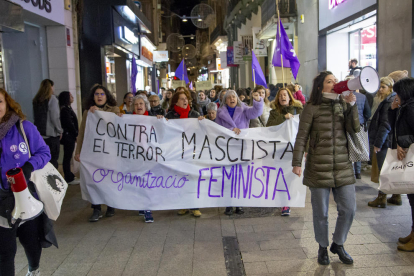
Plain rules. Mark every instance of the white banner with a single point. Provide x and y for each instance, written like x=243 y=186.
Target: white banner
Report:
x=259 y=45
x=143 y=163
x=238 y=52
x=204 y=85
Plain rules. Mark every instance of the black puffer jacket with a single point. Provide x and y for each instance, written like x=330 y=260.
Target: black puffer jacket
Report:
x=379 y=132
x=402 y=122
x=174 y=115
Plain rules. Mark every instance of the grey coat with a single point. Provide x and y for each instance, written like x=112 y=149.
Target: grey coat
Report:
x=53 y=126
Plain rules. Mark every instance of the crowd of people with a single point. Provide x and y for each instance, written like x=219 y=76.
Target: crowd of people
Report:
x=324 y=120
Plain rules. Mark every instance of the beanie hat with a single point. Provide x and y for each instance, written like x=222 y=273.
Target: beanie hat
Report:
x=398 y=75
x=388 y=80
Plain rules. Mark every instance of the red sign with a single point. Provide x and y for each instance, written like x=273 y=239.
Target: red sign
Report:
x=369 y=35
x=68 y=37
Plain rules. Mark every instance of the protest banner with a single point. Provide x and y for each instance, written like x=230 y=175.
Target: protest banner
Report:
x=204 y=85
x=178 y=83
x=138 y=162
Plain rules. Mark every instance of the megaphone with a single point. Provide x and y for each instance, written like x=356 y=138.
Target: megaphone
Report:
x=26 y=206
x=368 y=80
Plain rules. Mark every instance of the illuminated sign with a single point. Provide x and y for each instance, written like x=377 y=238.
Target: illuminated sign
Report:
x=128 y=35
x=334 y=3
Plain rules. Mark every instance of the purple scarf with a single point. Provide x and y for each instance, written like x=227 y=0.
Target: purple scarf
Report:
x=6 y=126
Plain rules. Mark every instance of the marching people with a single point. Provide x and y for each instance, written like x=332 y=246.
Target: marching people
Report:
x=261 y=120
x=126 y=107
x=99 y=99
x=212 y=95
x=142 y=107
x=165 y=103
x=401 y=116
x=211 y=112
x=69 y=123
x=220 y=97
x=156 y=108
x=285 y=108
x=203 y=101
x=46 y=118
x=380 y=138
x=323 y=123
x=194 y=103
x=242 y=94
x=235 y=115
x=297 y=93
x=180 y=109
x=31 y=232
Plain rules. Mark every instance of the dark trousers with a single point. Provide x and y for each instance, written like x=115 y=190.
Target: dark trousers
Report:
x=28 y=234
x=68 y=148
x=54 y=146
x=411 y=200
x=98 y=207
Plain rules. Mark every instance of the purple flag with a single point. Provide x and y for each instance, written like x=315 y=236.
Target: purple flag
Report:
x=181 y=72
x=257 y=72
x=284 y=48
x=191 y=85
x=134 y=73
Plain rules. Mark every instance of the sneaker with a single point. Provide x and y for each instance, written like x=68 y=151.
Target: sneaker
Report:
x=75 y=181
x=228 y=211
x=358 y=176
x=148 y=216
x=285 y=211
x=183 y=212
x=33 y=273
x=196 y=213
x=141 y=213
x=239 y=210
x=110 y=212
x=96 y=215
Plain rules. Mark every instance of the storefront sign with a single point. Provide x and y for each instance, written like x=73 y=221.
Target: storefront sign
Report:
x=369 y=35
x=218 y=64
x=50 y=9
x=146 y=53
x=128 y=35
x=259 y=45
x=334 y=3
x=147 y=49
x=223 y=59
x=203 y=85
x=247 y=41
x=160 y=56
x=68 y=43
x=238 y=52
x=177 y=83
x=153 y=164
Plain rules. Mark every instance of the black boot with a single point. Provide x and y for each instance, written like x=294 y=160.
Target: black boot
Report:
x=110 y=212
x=229 y=211
x=323 y=258
x=96 y=215
x=239 y=210
x=342 y=254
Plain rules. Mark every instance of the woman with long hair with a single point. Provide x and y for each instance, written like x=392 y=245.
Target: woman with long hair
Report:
x=165 y=103
x=324 y=122
x=261 y=120
x=126 y=107
x=70 y=133
x=14 y=154
x=99 y=99
x=203 y=101
x=46 y=118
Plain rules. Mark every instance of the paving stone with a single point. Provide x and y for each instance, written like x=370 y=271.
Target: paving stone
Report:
x=271 y=255
x=402 y=270
x=256 y=268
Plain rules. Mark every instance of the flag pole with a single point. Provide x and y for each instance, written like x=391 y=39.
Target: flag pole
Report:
x=254 y=79
x=281 y=55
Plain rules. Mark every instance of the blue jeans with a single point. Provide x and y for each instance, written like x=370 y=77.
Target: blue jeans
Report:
x=346 y=205
x=357 y=167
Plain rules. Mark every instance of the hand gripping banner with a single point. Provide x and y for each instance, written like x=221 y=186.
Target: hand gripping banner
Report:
x=138 y=162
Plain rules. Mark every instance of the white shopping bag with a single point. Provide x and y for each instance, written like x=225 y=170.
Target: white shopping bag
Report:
x=397 y=177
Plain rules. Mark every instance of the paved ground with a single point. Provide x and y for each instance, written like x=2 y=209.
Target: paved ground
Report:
x=173 y=245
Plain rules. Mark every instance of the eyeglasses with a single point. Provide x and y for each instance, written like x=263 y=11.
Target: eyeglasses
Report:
x=99 y=94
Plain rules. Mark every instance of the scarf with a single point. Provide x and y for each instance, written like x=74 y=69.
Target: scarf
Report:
x=204 y=103
x=101 y=106
x=145 y=113
x=6 y=126
x=231 y=110
x=331 y=96
x=183 y=112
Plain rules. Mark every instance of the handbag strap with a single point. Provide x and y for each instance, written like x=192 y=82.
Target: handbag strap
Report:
x=20 y=128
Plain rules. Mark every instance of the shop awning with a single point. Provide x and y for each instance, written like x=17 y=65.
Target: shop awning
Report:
x=130 y=11
x=11 y=17
x=269 y=31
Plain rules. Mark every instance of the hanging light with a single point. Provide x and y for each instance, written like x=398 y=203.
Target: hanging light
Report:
x=184 y=19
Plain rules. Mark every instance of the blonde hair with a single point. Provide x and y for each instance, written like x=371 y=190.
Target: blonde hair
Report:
x=388 y=81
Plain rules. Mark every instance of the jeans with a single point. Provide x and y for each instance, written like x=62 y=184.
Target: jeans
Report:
x=54 y=146
x=346 y=205
x=411 y=200
x=68 y=148
x=357 y=167
x=29 y=238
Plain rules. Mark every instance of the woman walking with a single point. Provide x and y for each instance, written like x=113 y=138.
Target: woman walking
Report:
x=14 y=155
x=70 y=133
x=235 y=115
x=99 y=99
x=46 y=118
x=323 y=123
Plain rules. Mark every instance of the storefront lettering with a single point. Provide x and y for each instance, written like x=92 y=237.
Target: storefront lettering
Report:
x=42 y=4
x=334 y=3
x=146 y=53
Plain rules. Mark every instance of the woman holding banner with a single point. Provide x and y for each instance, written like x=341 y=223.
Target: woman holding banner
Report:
x=285 y=107
x=99 y=99
x=324 y=122
x=235 y=115
x=180 y=109
x=401 y=116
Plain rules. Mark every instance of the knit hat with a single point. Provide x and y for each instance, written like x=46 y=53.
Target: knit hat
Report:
x=398 y=75
x=388 y=81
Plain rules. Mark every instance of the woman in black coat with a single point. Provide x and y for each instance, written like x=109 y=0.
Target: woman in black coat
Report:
x=69 y=123
x=401 y=116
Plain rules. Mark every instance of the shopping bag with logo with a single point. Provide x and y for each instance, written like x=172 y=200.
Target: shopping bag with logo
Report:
x=397 y=177
x=50 y=186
